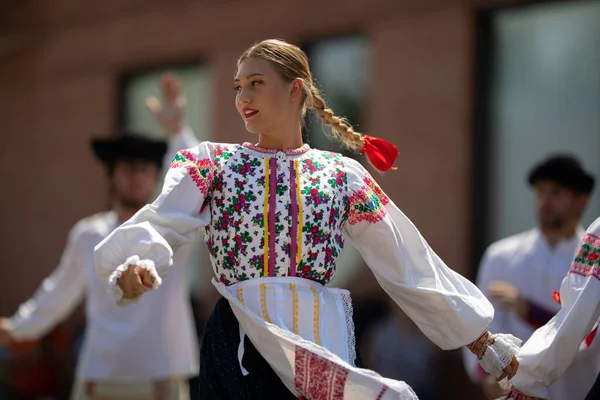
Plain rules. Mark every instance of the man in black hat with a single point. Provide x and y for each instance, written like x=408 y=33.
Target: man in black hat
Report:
x=561 y=191
x=129 y=352
x=520 y=273
x=133 y=164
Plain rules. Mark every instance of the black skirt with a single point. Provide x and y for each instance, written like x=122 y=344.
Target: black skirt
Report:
x=220 y=374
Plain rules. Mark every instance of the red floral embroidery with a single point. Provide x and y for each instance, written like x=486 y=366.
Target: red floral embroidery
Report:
x=368 y=204
x=310 y=191
x=201 y=171
x=317 y=378
x=587 y=260
x=377 y=189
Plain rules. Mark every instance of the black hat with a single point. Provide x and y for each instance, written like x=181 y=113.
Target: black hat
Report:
x=129 y=146
x=565 y=170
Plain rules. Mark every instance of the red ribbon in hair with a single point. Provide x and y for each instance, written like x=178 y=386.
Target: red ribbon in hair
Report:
x=381 y=153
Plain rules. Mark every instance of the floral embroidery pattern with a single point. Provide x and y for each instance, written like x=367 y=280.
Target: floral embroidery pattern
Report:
x=368 y=203
x=199 y=170
x=277 y=214
x=587 y=260
x=317 y=378
x=322 y=186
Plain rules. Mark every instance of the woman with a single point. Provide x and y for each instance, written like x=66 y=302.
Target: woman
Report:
x=553 y=347
x=275 y=215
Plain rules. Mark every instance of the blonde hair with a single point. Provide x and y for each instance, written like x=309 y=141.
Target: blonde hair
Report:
x=292 y=63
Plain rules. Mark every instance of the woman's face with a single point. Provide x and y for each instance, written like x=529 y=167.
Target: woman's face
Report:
x=264 y=100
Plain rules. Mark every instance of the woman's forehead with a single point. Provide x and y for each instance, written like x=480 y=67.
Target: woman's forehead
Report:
x=253 y=66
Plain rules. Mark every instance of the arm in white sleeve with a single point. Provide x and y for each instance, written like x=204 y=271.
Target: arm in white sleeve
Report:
x=553 y=347
x=151 y=236
x=446 y=307
x=489 y=271
x=58 y=294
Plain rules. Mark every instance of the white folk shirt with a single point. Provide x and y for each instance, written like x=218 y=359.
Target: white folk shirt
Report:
x=153 y=339
x=552 y=349
x=536 y=269
x=275 y=223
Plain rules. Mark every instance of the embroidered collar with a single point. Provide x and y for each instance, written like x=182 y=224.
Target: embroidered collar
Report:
x=290 y=152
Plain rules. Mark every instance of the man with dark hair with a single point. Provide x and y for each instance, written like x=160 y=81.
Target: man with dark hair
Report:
x=520 y=273
x=561 y=191
x=128 y=352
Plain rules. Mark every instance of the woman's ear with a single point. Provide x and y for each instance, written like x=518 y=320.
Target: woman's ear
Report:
x=296 y=90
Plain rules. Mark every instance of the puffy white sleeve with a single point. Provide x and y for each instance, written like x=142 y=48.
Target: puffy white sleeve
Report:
x=151 y=236
x=449 y=309
x=492 y=268
x=553 y=347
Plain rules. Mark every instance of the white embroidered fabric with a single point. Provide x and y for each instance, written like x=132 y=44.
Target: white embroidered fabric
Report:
x=304 y=365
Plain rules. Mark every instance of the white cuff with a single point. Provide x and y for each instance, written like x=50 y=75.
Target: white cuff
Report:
x=115 y=292
x=499 y=354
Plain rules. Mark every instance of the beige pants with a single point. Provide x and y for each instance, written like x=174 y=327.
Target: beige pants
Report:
x=174 y=389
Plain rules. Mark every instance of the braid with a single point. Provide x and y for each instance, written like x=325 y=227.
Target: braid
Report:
x=340 y=128
x=291 y=63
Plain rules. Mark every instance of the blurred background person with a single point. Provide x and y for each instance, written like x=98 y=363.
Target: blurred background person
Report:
x=128 y=352
x=520 y=273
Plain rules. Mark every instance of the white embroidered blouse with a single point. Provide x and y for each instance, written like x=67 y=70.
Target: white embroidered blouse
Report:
x=267 y=213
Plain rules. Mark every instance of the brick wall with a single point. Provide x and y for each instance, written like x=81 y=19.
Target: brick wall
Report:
x=59 y=64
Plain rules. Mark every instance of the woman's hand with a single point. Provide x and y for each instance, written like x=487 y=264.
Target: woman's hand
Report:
x=135 y=281
x=510 y=370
